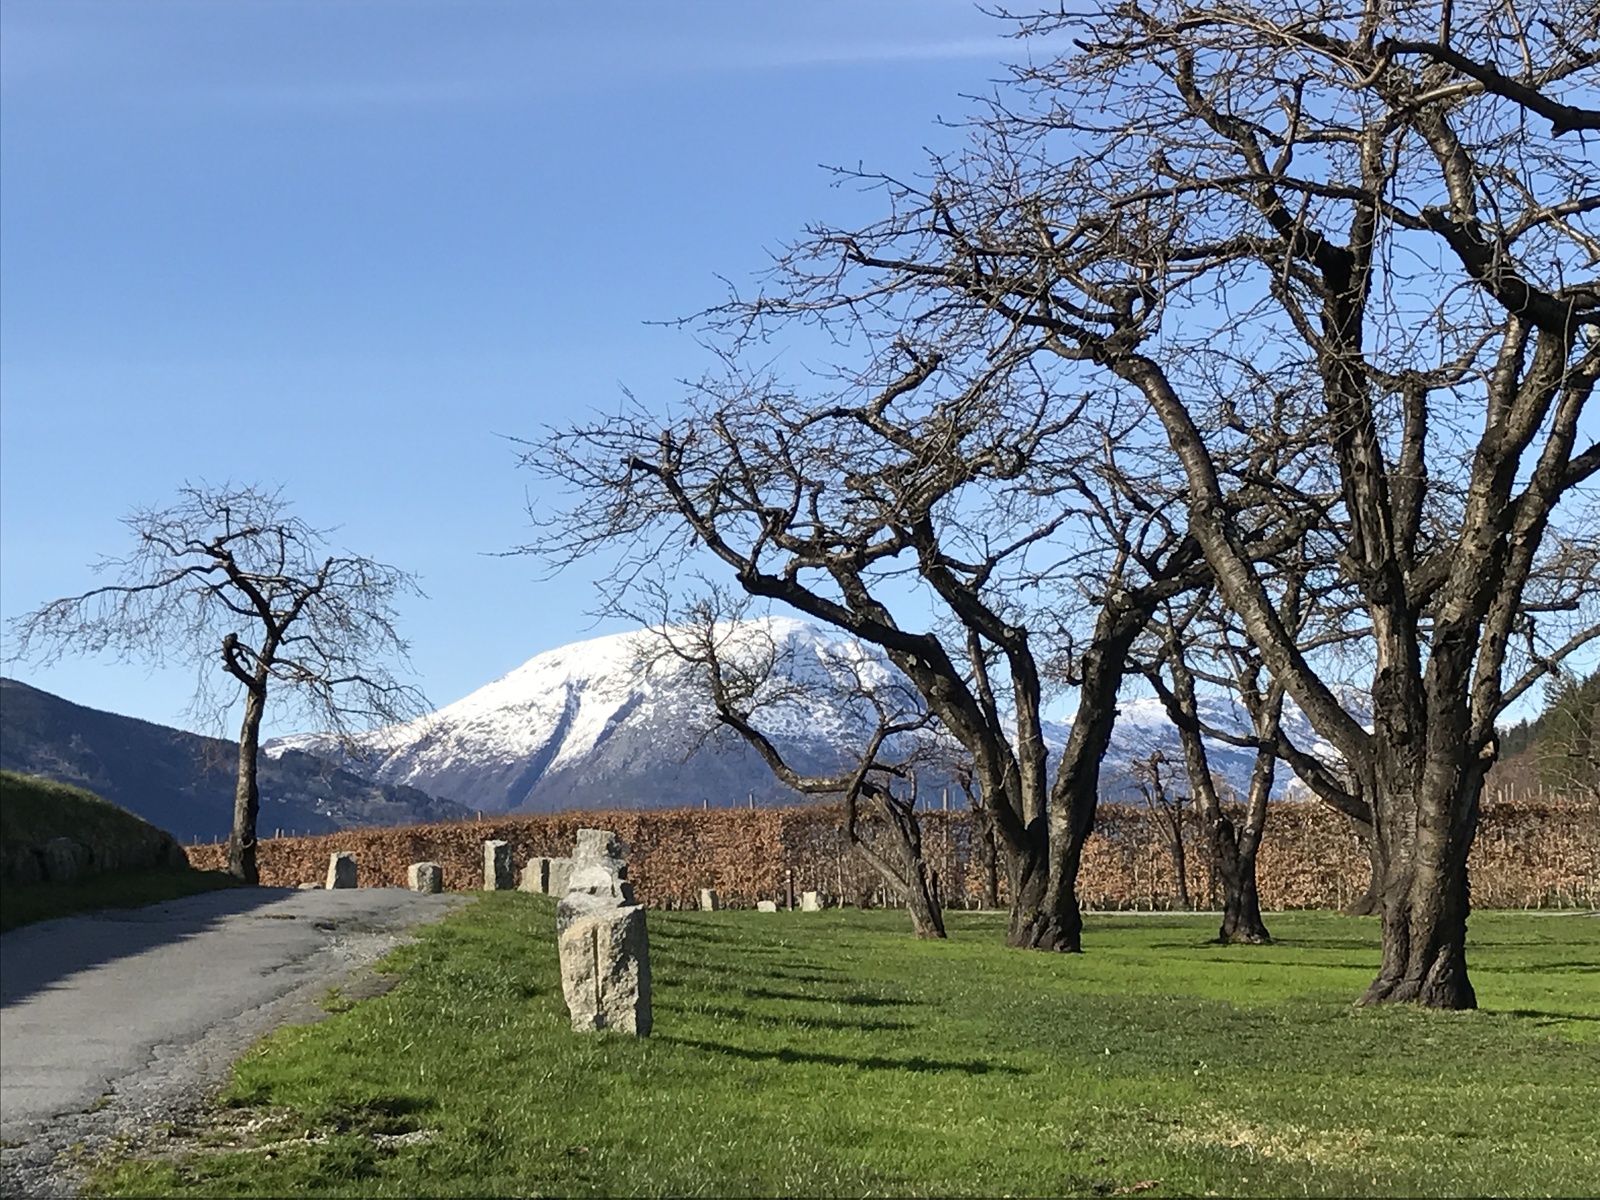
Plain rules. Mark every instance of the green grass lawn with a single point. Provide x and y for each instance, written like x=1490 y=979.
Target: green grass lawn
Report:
x=830 y=1054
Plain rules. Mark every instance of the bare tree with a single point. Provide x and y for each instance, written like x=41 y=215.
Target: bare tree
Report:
x=227 y=577
x=1180 y=199
x=951 y=468
x=1154 y=775
x=742 y=670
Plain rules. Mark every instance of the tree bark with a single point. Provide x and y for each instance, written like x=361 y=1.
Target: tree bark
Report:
x=246 y=794
x=1369 y=901
x=1044 y=898
x=1235 y=859
x=1426 y=896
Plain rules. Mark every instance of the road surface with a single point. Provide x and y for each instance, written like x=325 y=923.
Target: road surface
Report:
x=114 y=1020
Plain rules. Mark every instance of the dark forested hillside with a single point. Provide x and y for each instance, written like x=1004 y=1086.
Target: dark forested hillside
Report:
x=183 y=782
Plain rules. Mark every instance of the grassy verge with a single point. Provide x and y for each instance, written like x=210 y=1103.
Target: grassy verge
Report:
x=829 y=1054
x=27 y=903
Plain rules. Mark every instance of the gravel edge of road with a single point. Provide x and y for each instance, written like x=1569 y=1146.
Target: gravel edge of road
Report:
x=179 y=1081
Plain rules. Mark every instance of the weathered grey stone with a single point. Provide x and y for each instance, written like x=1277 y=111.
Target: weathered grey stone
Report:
x=601 y=846
x=425 y=877
x=766 y=906
x=709 y=900
x=535 y=876
x=605 y=964
x=24 y=866
x=599 y=880
x=65 y=860
x=341 y=870
x=304 y=887
x=498 y=875
x=811 y=902
x=560 y=875
x=604 y=946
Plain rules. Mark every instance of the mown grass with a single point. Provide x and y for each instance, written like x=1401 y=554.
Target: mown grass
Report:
x=830 y=1054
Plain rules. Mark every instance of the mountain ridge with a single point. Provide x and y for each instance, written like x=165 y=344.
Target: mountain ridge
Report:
x=614 y=721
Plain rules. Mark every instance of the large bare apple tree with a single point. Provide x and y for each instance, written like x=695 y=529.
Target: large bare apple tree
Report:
x=1397 y=201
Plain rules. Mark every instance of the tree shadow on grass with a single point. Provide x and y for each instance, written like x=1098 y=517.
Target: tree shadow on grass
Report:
x=916 y=1064
x=1542 y=1014
x=727 y=1012
x=855 y=999
x=816 y=975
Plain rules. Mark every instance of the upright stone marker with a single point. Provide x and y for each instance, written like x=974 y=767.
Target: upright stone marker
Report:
x=535 y=876
x=425 y=877
x=342 y=869
x=810 y=901
x=497 y=873
x=605 y=947
x=766 y=906
x=709 y=900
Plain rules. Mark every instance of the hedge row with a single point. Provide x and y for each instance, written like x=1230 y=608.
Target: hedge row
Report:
x=1527 y=854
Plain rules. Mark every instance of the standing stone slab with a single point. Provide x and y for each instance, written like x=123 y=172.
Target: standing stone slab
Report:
x=425 y=877
x=766 y=906
x=605 y=965
x=342 y=869
x=810 y=901
x=709 y=900
x=603 y=942
x=535 y=876
x=497 y=873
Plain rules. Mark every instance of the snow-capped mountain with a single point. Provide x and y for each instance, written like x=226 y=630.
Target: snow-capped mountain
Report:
x=622 y=721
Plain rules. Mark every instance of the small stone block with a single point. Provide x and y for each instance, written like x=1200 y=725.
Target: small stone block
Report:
x=342 y=870
x=560 y=876
x=425 y=877
x=535 y=877
x=810 y=901
x=766 y=906
x=709 y=900
x=497 y=873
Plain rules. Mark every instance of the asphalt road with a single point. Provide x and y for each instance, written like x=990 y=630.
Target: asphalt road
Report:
x=114 y=1020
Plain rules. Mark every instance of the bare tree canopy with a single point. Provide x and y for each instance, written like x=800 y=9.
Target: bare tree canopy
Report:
x=227 y=578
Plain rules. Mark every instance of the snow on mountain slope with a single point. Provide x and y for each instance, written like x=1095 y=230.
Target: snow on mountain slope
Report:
x=610 y=721
x=615 y=722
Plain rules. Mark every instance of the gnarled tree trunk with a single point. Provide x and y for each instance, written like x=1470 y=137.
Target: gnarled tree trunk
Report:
x=246 y=794
x=1426 y=898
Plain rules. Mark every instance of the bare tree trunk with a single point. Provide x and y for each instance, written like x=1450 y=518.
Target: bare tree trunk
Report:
x=1369 y=901
x=1426 y=897
x=1234 y=854
x=1045 y=914
x=1180 y=866
x=910 y=877
x=246 y=795
x=1044 y=902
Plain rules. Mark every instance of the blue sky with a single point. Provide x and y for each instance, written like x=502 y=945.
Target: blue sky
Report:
x=345 y=247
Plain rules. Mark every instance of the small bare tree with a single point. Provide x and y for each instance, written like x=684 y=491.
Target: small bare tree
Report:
x=227 y=573
x=741 y=669
x=1153 y=773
